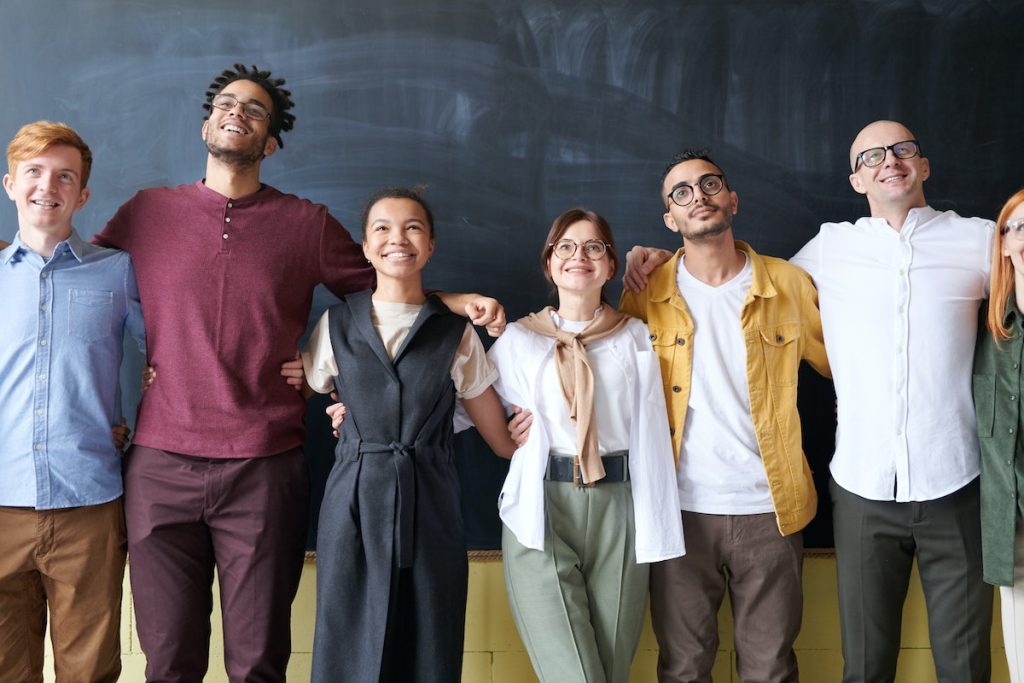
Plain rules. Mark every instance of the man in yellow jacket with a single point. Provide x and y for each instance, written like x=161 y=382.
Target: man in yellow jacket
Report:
x=730 y=328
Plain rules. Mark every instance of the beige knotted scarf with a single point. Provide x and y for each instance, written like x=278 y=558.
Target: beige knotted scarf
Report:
x=577 y=378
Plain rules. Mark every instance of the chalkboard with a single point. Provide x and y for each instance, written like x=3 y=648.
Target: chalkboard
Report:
x=514 y=111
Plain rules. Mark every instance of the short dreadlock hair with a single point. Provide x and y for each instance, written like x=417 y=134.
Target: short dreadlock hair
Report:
x=280 y=119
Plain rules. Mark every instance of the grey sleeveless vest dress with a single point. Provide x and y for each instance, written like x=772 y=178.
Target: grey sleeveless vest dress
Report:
x=391 y=559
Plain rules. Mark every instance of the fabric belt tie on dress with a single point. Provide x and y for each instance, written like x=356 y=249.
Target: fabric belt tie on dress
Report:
x=567 y=468
x=405 y=515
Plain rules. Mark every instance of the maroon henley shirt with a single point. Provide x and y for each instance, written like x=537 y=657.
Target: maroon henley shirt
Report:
x=226 y=288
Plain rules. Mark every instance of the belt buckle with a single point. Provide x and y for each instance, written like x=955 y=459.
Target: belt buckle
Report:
x=577 y=475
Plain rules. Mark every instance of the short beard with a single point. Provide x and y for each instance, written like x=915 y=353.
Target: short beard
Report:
x=239 y=158
x=713 y=230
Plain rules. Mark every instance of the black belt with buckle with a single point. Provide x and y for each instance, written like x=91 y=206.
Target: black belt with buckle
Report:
x=567 y=468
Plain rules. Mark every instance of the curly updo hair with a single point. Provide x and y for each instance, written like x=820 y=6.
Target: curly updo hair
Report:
x=281 y=119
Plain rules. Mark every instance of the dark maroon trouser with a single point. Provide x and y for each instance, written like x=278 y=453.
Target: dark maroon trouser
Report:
x=247 y=517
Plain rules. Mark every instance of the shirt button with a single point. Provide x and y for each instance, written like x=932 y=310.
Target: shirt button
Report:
x=42 y=342
x=39 y=412
x=225 y=235
x=42 y=375
x=1011 y=430
x=1012 y=397
x=39 y=446
x=681 y=342
x=1016 y=365
x=677 y=389
x=42 y=307
x=230 y=205
x=228 y=219
x=44 y=275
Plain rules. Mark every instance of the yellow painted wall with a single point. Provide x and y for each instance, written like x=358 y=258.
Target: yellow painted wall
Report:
x=494 y=653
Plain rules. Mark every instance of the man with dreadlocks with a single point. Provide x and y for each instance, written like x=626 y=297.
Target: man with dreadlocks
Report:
x=226 y=269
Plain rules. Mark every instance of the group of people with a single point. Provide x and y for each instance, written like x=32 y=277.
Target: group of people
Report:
x=628 y=429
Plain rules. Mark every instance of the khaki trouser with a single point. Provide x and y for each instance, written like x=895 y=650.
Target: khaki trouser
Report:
x=72 y=561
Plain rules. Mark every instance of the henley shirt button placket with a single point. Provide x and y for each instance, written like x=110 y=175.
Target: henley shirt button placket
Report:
x=227 y=221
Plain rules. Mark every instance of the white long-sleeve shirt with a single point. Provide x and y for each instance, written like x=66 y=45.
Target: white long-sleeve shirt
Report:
x=899 y=311
x=627 y=379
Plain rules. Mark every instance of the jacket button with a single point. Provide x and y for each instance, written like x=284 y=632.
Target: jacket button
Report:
x=671 y=431
x=653 y=337
x=779 y=338
x=677 y=388
x=681 y=342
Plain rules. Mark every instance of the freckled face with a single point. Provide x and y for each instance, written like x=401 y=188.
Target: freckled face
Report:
x=47 y=189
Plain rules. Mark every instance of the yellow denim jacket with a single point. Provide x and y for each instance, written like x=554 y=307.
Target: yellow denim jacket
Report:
x=781 y=326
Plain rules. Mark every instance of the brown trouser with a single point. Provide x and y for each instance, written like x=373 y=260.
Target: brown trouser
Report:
x=761 y=569
x=71 y=560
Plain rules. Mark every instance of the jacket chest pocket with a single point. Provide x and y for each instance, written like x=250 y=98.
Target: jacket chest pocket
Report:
x=780 y=345
x=90 y=313
x=670 y=345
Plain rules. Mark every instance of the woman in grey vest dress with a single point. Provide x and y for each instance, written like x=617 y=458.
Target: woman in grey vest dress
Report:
x=391 y=560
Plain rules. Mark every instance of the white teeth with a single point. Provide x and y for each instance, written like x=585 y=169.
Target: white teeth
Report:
x=233 y=129
x=43 y=202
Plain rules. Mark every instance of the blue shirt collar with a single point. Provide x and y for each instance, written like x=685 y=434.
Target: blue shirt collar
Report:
x=74 y=244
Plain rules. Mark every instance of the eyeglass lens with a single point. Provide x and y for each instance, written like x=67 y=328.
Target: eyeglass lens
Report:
x=901 y=150
x=592 y=249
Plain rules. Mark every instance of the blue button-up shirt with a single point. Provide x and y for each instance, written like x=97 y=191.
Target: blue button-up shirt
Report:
x=60 y=357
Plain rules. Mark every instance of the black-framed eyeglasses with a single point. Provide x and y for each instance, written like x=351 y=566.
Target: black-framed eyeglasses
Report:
x=592 y=249
x=709 y=183
x=252 y=110
x=1014 y=230
x=873 y=156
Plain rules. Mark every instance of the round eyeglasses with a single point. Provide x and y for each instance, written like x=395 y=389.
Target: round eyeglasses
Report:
x=1014 y=230
x=873 y=156
x=252 y=110
x=709 y=183
x=592 y=249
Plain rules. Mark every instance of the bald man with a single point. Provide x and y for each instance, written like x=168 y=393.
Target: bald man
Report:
x=899 y=293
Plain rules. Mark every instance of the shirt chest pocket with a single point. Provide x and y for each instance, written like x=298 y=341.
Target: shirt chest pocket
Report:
x=780 y=345
x=90 y=313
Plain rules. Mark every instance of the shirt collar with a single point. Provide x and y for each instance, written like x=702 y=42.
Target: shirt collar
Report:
x=74 y=244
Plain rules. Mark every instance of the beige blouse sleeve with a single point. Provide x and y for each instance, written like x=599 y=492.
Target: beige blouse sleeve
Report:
x=318 y=358
x=472 y=371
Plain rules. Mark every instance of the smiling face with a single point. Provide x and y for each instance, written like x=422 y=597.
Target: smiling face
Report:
x=895 y=184
x=578 y=274
x=47 y=189
x=233 y=137
x=1013 y=243
x=396 y=238
x=706 y=216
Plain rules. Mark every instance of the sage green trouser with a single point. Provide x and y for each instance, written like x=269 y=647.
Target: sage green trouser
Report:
x=579 y=604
